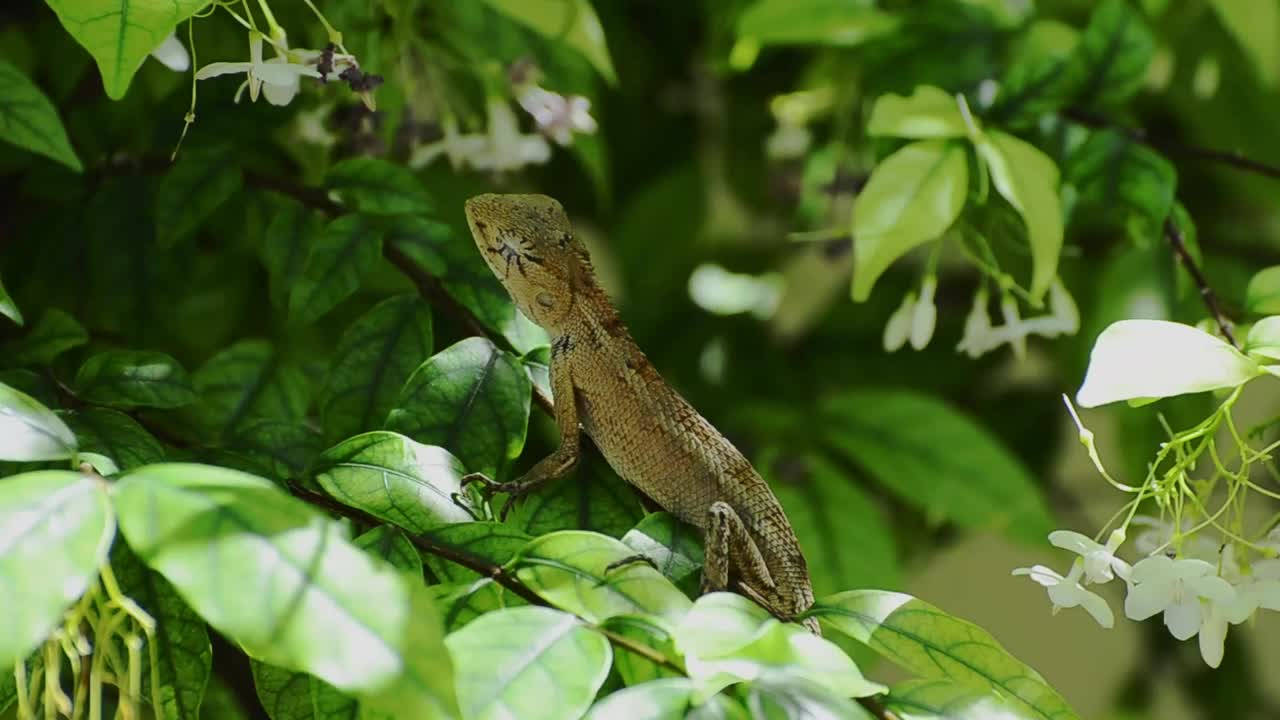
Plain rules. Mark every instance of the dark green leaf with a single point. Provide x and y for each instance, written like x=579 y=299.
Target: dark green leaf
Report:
x=571 y=569
x=460 y=603
x=378 y=187
x=1041 y=76
x=190 y=192
x=572 y=22
x=937 y=459
x=395 y=479
x=115 y=435
x=593 y=497
x=1123 y=183
x=248 y=379
x=945 y=700
x=182 y=642
x=337 y=260
x=53 y=334
x=318 y=605
x=470 y=398
x=938 y=646
x=1114 y=53
x=284 y=694
x=388 y=543
x=30 y=431
x=491 y=542
x=221 y=703
x=813 y=22
x=29 y=120
x=286 y=448
x=648 y=631
x=292 y=230
x=534 y=663
x=57 y=531
x=374 y=358
x=1254 y=26
x=134 y=378
x=674 y=547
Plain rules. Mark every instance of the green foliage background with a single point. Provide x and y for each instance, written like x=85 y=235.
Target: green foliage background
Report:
x=314 y=314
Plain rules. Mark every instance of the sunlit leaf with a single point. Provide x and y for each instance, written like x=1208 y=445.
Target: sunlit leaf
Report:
x=813 y=22
x=461 y=603
x=1263 y=294
x=662 y=699
x=572 y=22
x=946 y=700
x=29 y=120
x=134 y=378
x=937 y=646
x=30 y=431
x=1256 y=26
x=648 y=631
x=337 y=260
x=55 y=530
x=929 y=112
x=490 y=542
x=674 y=547
x=534 y=663
x=377 y=187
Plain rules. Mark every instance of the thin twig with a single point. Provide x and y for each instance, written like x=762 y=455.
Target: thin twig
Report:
x=1174 y=235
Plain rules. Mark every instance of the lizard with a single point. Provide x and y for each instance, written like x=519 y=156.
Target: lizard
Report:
x=647 y=432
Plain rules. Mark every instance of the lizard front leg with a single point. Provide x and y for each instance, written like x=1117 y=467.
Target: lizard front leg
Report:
x=728 y=545
x=558 y=463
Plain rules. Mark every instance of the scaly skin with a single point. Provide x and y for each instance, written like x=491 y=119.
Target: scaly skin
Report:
x=648 y=433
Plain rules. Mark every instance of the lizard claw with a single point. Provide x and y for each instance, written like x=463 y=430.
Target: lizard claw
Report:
x=490 y=487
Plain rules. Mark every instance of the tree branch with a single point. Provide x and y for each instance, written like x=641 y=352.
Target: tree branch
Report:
x=1174 y=235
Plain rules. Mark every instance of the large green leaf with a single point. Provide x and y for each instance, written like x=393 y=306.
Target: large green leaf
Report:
x=284 y=448
x=937 y=459
x=461 y=603
x=119 y=34
x=247 y=380
x=946 y=700
x=53 y=334
x=373 y=359
x=55 y=530
x=30 y=431
x=285 y=694
x=193 y=189
x=470 y=398
x=1028 y=179
x=1114 y=53
x=1256 y=26
x=1122 y=183
x=491 y=542
x=389 y=543
x=29 y=120
x=913 y=196
x=534 y=663
x=1262 y=296
x=182 y=641
x=377 y=187
x=1041 y=75
x=929 y=112
x=571 y=569
x=647 y=630
x=813 y=22
x=593 y=497
x=292 y=229
x=395 y=479
x=115 y=435
x=674 y=547
x=938 y=646
x=347 y=249
x=572 y=22
x=661 y=699
x=318 y=603
x=134 y=378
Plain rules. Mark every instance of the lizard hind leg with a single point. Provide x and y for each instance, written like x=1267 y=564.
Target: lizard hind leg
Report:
x=728 y=546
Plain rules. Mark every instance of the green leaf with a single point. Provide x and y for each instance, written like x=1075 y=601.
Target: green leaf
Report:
x=1263 y=294
x=727 y=638
x=673 y=546
x=30 y=431
x=29 y=120
x=182 y=642
x=470 y=398
x=395 y=479
x=53 y=334
x=247 y=380
x=292 y=229
x=662 y=699
x=375 y=356
x=929 y=112
x=771 y=699
x=192 y=190
x=937 y=646
x=57 y=531
x=534 y=663
x=913 y=196
x=1041 y=76
x=593 y=497
x=1028 y=179
x=492 y=542
x=134 y=378
x=572 y=22
x=813 y=22
x=1123 y=182
x=377 y=187
x=1255 y=26
x=284 y=694
x=286 y=448
x=339 y=258
x=645 y=630
x=461 y=603
x=946 y=700
x=1114 y=52
x=115 y=435
x=8 y=307
x=937 y=459
x=119 y=34
x=319 y=604
x=1147 y=359
x=571 y=569
x=389 y=543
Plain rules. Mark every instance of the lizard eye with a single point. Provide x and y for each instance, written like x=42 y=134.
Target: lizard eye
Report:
x=545 y=300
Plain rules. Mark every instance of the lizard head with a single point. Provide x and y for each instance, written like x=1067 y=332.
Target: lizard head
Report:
x=528 y=243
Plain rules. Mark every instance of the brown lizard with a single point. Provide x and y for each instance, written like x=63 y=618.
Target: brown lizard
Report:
x=649 y=434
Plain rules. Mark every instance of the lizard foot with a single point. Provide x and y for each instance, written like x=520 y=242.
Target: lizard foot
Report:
x=490 y=487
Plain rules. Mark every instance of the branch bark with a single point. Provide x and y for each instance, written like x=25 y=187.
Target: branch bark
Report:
x=1174 y=235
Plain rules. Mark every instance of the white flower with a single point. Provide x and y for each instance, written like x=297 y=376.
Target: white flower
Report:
x=172 y=54
x=898 y=328
x=502 y=148
x=557 y=116
x=1159 y=534
x=1180 y=589
x=980 y=337
x=977 y=327
x=1100 y=561
x=277 y=78
x=1067 y=592
x=1013 y=326
x=924 y=316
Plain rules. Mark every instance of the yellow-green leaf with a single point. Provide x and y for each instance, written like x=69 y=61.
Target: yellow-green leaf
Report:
x=1028 y=179
x=573 y=22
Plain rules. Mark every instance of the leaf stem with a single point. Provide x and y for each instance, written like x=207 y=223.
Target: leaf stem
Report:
x=1173 y=234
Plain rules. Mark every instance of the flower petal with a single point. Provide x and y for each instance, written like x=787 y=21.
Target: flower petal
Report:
x=1213 y=636
x=1073 y=541
x=898 y=328
x=1098 y=608
x=222 y=68
x=1147 y=599
x=1212 y=588
x=1184 y=618
x=172 y=54
x=1156 y=568
x=276 y=72
x=1041 y=574
x=280 y=93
